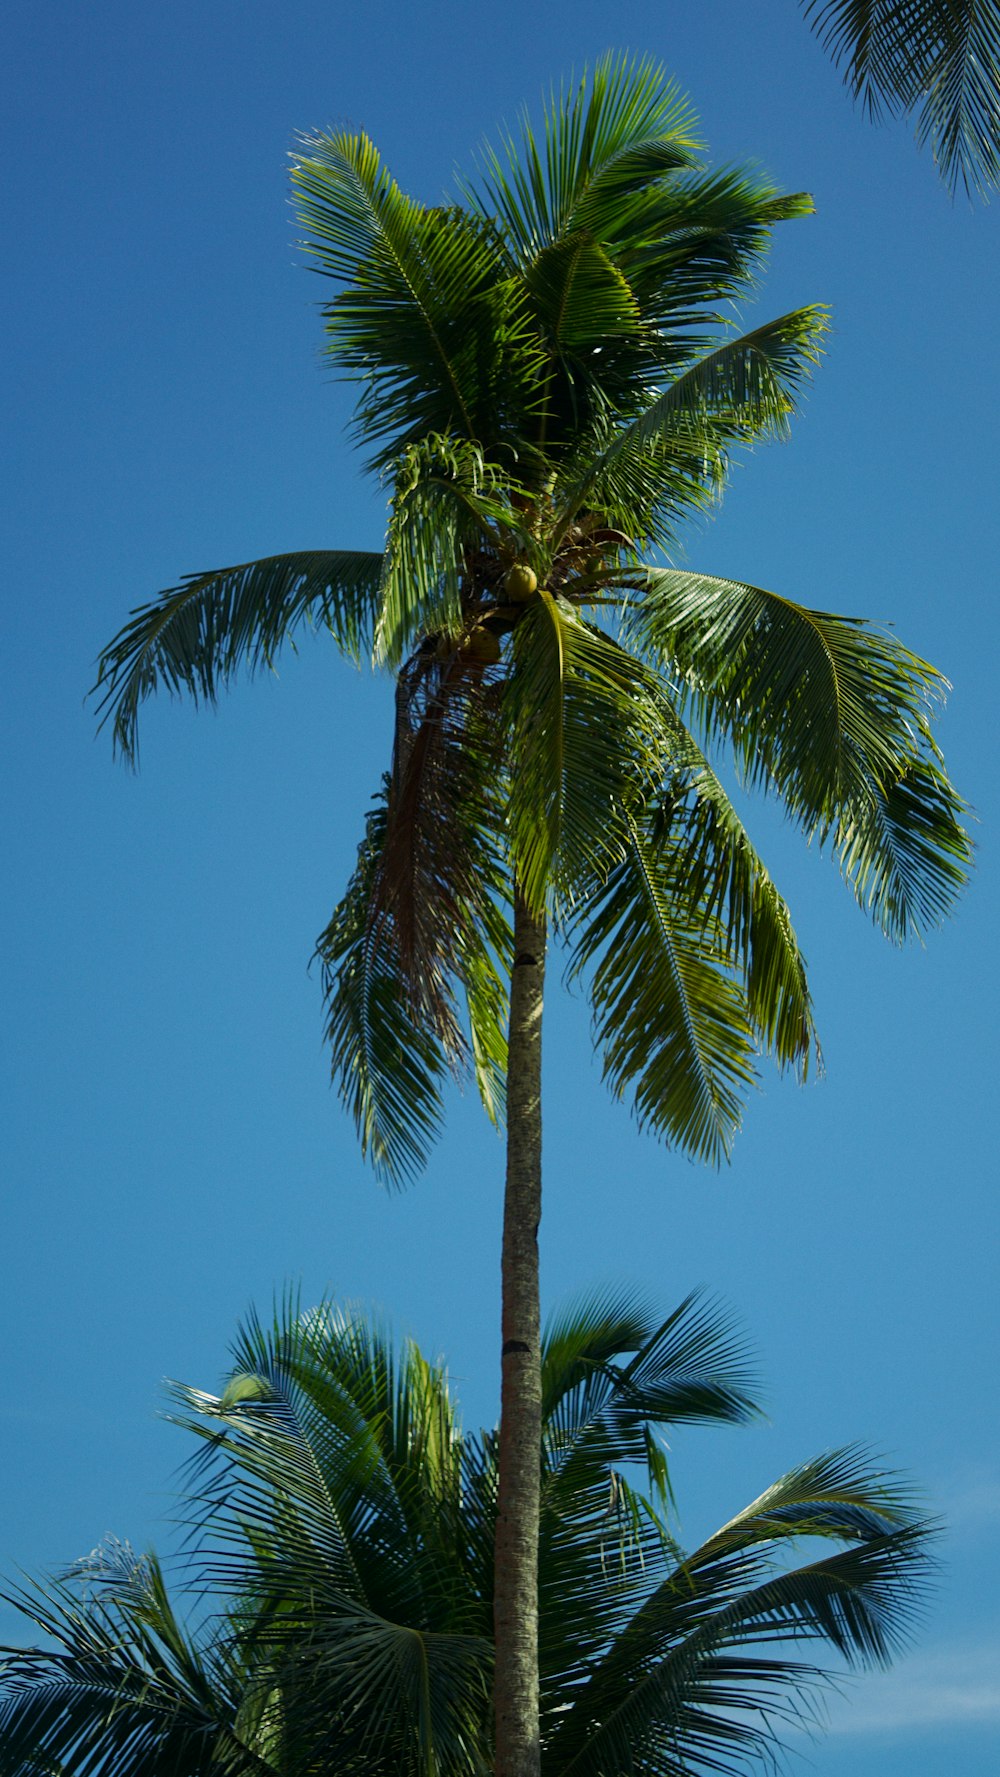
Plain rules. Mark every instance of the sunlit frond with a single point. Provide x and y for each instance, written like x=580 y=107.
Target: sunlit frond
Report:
x=604 y=140
x=834 y=716
x=720 y=869
x=673 y=455
x=586 y=743
x=428 y=320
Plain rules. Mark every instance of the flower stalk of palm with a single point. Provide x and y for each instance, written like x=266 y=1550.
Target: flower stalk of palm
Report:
x=343 y=1527
x=547 y=379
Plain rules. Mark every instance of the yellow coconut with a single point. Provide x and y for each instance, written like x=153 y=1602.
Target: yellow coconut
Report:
x=484 y=646
x=520 y=582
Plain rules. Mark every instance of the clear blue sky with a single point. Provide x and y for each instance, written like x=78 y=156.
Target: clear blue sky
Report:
x=172 y=1150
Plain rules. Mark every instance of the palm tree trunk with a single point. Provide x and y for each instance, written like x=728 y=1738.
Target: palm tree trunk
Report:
x=515 y=1594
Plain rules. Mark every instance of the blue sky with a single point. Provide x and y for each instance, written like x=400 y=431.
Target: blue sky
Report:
x=172 y=1149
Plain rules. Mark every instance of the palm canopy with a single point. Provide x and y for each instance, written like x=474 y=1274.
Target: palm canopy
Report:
x=549 y=382
x=342 y=1530
x=940 y=58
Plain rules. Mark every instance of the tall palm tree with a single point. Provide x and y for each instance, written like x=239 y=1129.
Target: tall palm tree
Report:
x=940 y=58
x=343 y=1533
x=548 y=383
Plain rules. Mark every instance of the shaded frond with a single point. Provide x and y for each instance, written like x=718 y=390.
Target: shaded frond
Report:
x=689 y=1680
x=687 y=1368
x=939 y=58
x=120 y=1682
x=388 y=1064
x=195 y=637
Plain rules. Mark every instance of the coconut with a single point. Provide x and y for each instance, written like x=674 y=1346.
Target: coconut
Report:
x=483 y=646
x=520 y=582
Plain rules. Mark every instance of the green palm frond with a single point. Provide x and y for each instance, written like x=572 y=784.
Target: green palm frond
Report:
x=582 y=297
x=743 y=390
x=428 y=321
x=586 y=743
x=672 y=1022
x=720 y=869
x=604 y=140
x=485 y=957
x=689 y=1368
x=614 y=1376
x=697 y=241
x=328 y=1493
x=684 y=1684
x=388 y=1064
x=321 y=1411
x=673 y=456
x=834 y=716
x=904 y=850
x=450 y=508
x=195 y=637
x=940 y=58
x=121 y=1682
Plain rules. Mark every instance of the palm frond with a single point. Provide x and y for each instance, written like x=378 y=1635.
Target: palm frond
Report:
x=428 y=321
x=741 y=391
x=328 y=1496
x=697 y=240
x=904 y=849
x=614 y=1376
x=450 y=509
x=582 y=297
x=586 y=744
x=745 y=389
x=673 y=1024
x=120 y=1683
x=940 y=58
x=690 y=1367
x=195 y=637
x=834 y=716
x=683 y=1683
x=604 y=140
x=388 y=1063
x=720 y=872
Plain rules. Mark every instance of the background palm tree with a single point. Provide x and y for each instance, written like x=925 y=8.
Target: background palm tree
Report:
x=343 y=1529
x=548 y=384
x=940 y=58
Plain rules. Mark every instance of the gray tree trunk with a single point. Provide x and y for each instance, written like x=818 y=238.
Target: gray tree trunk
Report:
x=515 y=1605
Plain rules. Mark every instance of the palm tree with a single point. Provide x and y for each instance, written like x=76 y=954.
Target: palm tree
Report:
x=547 y=382
x=343 y=1531
x=940 y=58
